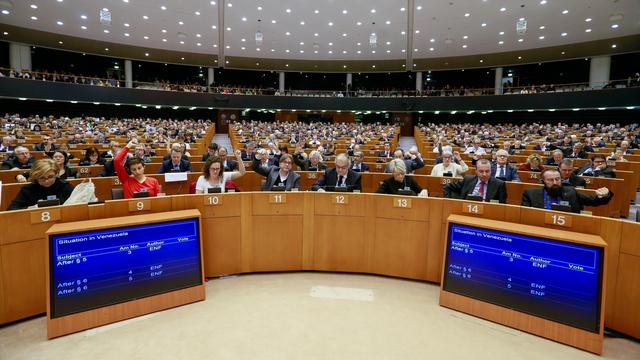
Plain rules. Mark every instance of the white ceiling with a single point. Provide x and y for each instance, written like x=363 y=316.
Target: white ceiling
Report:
x=443 y=21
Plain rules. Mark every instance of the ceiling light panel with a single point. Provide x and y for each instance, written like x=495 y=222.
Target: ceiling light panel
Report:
x=440 y=21
x=81 y=19
x=310 y=32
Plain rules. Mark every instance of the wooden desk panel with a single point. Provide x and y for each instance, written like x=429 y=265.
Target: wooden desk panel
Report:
x=293 y=203
x=221 y=244
x=630 y=239
x=626 y=317
x=23 y=277
x=339 y=243
x=400 y=248
x=387 y=208
x=340 y=204
x=276 y=243
x=118 y=208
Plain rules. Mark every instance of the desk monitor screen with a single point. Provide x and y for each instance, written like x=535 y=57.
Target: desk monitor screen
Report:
x=141 y=194
x=98 y=268
x=48 y=202
x=214 y=190
x=278 y=188
x=406 y=192
x=550 y=279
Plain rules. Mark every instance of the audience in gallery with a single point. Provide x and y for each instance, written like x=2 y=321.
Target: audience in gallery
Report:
x=358 y=91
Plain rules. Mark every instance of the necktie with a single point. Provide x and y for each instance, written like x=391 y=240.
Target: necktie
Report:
x=502 y=171
x=340 y=180
x=482 y=189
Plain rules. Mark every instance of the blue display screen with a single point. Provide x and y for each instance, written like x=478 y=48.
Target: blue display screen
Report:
x=92 y=269
x=551 y=279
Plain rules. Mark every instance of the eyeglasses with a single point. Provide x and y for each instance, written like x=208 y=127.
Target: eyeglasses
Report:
x=47 y=178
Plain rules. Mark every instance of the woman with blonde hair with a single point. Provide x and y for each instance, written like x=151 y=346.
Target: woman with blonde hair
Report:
x=45 y=184
x=534 y=163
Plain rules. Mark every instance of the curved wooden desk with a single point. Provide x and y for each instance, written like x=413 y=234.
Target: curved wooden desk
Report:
x=367 y=233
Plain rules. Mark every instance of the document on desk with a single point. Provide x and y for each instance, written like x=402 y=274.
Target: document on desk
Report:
x=175 y=176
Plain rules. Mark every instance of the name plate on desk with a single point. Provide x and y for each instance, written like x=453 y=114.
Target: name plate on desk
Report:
x=277 y=198
x=139 y=205
x=38 y=217
x=340 y=199
x=404 y=203
x=558 y=219
x=472 y=208
x=212 y=200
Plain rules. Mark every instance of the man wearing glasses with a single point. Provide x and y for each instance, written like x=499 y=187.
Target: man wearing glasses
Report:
x=339 y=177
x=358 y=164
x=501 y=168
x=597 y=168
x=280 y=176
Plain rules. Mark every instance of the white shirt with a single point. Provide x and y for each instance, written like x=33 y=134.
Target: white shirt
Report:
x=203 y=184
x=453 y=168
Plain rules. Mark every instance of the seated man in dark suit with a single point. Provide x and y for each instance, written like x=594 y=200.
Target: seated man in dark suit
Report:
x=276 y=175
x=46 y=145
x=248 y=152
x=175 y=164
x=554 y=193
x=340 y=176
x=229 y=165
x=556 y=157
x=567 y=175
x=597 y=168
x=482 y=184
x=358 y=165
x=501 y=168
x=576 y=152
x=212 y=150
x=386 y=153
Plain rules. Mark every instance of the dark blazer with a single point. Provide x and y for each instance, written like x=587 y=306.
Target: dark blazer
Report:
x=30 y=194
x=363 y=167
x=411 y=165
x=167 y=166
x=40 y=147
x=575 y=180
x=534 y=197
x=569 y=154
x=382 y=154
x=607 y=172
x=231 y=165
x=391 y=186
x=511 y=174
x=330 y=178
x=272 y=174
x=12 y=162
x=496 y=189
x=305 y=165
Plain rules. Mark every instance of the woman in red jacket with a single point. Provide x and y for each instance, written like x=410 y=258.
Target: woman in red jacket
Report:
x=137 y=181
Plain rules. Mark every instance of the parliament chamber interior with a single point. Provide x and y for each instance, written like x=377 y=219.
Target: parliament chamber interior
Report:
x=240 y=179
